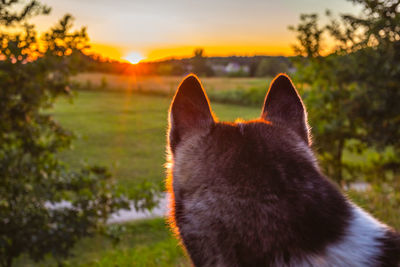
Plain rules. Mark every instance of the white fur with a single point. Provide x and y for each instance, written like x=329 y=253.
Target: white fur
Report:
x=358 y=248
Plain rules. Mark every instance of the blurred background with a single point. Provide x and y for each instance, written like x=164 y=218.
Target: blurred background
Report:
x=85 y=88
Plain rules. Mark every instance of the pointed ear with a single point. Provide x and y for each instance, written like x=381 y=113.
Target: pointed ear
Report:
x=283 y=105
x=189 y=112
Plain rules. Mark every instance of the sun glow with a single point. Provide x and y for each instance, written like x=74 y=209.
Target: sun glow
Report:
x=134 y=57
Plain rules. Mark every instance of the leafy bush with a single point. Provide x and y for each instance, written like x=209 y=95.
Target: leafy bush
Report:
x=44 y=207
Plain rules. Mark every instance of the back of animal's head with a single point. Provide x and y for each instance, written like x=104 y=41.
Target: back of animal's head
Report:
x=199 y=145
x=227 y=180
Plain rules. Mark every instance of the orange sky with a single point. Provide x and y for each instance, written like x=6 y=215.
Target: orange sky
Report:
x=159 y=29
x=151 y=54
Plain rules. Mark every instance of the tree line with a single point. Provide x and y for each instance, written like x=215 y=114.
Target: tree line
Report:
x=199 y=63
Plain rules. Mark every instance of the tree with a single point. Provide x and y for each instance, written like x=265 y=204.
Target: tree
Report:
x=372 y=42
x=270 y=67
x=199 y=63
x=34 y=183
x=328 y=98
x=352 y=91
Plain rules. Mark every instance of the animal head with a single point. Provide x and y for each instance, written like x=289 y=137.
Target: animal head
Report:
x=248 y=188
x=207 y=151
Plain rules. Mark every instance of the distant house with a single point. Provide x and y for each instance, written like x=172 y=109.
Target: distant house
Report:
x=218 y=69
x=246 y=69
x=230 y=68
x=234 y=67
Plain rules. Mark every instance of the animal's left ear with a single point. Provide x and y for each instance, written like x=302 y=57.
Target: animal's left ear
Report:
x=190 y=112
x=283 y=105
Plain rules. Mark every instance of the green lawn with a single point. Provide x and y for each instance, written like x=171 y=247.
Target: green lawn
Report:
x=146 y=243
x=125 y=131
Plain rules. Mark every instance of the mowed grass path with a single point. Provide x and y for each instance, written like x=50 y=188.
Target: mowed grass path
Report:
x=125 y=132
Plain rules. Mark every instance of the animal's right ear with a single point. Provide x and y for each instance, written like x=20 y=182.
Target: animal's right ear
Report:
x=283 y=105
x=189 y=112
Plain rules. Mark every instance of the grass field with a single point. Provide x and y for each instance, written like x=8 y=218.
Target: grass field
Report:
x=125 y=132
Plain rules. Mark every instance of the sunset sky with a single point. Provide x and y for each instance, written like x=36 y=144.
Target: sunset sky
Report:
x=158 y=29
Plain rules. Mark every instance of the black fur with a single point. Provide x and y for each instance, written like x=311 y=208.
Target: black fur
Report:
x=191 y=111
x=261 y=208
x=250 y=193
x=283 y=105
x=390 y=245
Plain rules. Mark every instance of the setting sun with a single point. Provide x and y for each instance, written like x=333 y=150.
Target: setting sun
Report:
x=134 y=57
